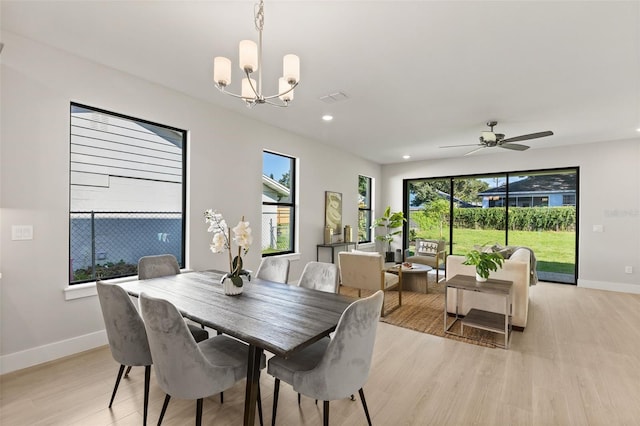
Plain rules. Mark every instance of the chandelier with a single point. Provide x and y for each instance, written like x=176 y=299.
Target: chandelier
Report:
x=250 y=62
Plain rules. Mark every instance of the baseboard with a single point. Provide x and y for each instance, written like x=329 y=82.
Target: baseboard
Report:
x=52 y=351
x=609 y=286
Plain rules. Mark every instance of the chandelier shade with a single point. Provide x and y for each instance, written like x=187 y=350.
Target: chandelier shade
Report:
x=250 y=61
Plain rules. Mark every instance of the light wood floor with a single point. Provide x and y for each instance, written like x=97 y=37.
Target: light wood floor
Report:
x=577 y=363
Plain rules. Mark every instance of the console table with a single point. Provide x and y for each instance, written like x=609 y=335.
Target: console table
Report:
x=478 y=318
x=333 y=246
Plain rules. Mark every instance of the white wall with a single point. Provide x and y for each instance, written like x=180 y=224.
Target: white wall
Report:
x=37 y=85
x=609 y=191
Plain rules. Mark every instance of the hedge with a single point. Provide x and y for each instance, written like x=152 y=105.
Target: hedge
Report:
x=520 y=218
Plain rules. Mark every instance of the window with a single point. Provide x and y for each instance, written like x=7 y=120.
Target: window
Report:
x=278 y=204
x=535 y=209
x=364 y=209
x=127 y=193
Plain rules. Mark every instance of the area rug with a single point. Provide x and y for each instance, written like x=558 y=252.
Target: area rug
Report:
x=425 y=313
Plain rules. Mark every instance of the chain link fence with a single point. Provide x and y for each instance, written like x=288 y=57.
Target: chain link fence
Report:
x=108 y=244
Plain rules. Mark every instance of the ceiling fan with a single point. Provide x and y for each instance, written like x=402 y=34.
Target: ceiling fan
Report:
x=489 y=139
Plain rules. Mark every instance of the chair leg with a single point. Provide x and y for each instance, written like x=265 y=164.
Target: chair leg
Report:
x=147 y=379
x=259 y=405
x=325 y=414
x=276 y=390
x=221 y=397
x=299 y=398
x=126 y=373
x=364 y=405
x=115 y=388
x=164 y=408
x=199 y=412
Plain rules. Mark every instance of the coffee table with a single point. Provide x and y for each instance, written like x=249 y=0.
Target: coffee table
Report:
x=415 y=268
x=478 y=318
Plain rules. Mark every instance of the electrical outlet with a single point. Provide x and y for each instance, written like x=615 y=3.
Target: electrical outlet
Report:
x=628 y=270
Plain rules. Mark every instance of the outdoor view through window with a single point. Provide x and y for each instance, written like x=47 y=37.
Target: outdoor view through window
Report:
x=278 y=204
x=126 y=193
x=534 y=209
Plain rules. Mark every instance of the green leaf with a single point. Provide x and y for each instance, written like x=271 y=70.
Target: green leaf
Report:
x=237 y=281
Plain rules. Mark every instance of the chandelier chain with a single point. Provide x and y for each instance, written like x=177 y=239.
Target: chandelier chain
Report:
x=259 y=15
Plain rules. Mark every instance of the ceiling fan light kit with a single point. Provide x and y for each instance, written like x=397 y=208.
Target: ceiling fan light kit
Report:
x=250 y=61
x=490 y=139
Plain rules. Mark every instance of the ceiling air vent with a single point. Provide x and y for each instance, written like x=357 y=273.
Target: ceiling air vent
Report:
x=334 y=97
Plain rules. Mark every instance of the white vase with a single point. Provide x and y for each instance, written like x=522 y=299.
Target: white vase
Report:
x=479 y=278
x=230 y=289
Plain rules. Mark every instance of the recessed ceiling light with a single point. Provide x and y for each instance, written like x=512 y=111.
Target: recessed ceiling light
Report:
x=406 y=157
x=638 y=129
x=327 y=117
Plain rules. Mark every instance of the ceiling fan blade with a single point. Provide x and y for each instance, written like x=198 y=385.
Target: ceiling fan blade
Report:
x=514 y=146
x=475 y=150
x=456 y=146
x=529 y=136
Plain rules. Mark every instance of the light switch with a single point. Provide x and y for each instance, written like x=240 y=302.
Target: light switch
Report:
x=598 y=228
x=22 y=232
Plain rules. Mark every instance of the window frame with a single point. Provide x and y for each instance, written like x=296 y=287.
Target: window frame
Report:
x=366 y=210
x=291 y=204
x=183 y=191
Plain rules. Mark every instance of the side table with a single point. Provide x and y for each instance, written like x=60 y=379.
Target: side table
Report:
x=478 y=318
x=332 y=246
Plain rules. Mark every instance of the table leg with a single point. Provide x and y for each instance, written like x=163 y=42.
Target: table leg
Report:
x=445 y=308
x=253 y=377
x=506 y=322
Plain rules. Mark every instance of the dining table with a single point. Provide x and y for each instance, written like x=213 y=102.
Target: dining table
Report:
x=268 y=316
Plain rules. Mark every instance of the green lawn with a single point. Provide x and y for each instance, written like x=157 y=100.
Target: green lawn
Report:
x=555 y=251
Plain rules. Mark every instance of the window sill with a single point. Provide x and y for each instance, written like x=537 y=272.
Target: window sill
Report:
x=290 y=256
x=79 y=291
x=366 y=245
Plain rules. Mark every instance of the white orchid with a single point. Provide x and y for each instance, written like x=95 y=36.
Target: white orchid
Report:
x=221 y=241
x=243 y=235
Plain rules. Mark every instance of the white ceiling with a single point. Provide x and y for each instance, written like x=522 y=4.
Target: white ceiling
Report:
x=419 y=74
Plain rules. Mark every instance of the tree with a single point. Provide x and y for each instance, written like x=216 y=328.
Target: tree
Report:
x=463 y=189
x=434 y=215
x=285 y=179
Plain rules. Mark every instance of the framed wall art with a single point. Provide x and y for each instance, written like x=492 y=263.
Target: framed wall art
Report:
x=333 y=211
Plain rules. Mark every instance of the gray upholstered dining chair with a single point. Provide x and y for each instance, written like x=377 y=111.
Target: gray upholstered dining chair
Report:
x=334 y=368
x=186 y=369
x=160 y=265
x=320 y=276
x=163 y=265
x=274 y=269
x=126 y=334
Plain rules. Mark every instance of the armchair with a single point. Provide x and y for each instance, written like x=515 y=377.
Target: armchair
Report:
x=366 y=271
x=431 y=253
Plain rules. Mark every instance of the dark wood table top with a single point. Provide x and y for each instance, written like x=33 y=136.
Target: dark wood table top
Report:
x=277 y=317
x=468 y=282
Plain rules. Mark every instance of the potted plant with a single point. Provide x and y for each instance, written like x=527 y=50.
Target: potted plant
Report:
x=389 y=221
x=485 y=262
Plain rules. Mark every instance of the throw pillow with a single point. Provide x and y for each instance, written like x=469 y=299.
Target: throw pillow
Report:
x=429 y=248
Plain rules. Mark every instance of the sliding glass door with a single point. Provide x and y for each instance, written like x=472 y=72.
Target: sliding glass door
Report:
x=542 y=216
x=536 y=209
x=476 y=220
